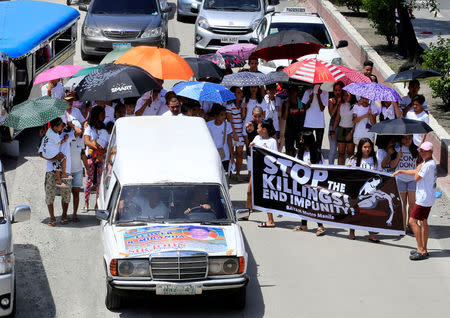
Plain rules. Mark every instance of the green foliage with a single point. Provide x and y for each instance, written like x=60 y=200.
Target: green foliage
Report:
x=353 y=5
x=382 y=15
x=438 y=59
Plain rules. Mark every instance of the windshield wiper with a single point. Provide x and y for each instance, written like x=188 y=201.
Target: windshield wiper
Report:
x=133 y=222
x=99 y=12
x=215 y=222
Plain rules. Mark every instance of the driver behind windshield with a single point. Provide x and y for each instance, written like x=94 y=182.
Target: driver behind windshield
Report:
x=198 y=201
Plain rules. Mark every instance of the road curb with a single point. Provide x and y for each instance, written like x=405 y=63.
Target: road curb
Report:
x=360 y=51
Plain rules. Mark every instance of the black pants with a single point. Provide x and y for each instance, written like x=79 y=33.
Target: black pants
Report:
x=291 y=141
x=225 y=165
x=319 y=135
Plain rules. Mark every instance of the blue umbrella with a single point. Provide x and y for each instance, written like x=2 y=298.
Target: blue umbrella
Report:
x=408 y=75
x=204 y=91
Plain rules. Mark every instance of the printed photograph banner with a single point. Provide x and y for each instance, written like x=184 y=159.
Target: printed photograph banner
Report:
x=343 y=196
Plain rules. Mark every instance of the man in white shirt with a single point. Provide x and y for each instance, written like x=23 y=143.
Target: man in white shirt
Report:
x=425 y=176
x=418 y=113
x=174 y=107
x=413 y=91
x=151 y=104
x=54 y=89
x=315 y=102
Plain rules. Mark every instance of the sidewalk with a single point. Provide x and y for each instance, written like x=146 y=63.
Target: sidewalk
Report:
x=359 y=33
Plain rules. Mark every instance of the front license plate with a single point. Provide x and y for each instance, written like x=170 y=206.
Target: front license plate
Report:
x=229 y=39
x=172 y=289
x=119 y=46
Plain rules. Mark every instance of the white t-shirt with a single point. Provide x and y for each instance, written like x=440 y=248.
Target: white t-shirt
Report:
x=346 y=113
x=426 y=186
x=252 y=103
x=169 y=113
x=109 y=114
x=57 y=91
x=65 y=149
x=361 y=128
x=50 y=144
x=206 y=105
x=314 y=117
x=93 y=135
x=417 y=138
x=406 y=162
x=307 y=158
x=103 y=138
x=272 y=110
x=388 y=112
x=217 y=136
x=157 y=107
x=381 y=155
x=76 y=146
x=406 y=100
x=270 y=143
x=366 y=163
x=74 y=115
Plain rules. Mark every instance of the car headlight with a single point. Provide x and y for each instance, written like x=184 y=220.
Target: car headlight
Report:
x=133 y=268
x=255 y=23
x=91 y=31
x=152 y=32
x=226 y=265
x=203 y=23
x=6 y=263
x=336 y=61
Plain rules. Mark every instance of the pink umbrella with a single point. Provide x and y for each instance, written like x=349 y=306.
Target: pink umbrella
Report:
x=244 y=50
x=352 y=76
x=57 y=72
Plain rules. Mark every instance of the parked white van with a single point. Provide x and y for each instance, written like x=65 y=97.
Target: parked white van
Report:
x=167 y=222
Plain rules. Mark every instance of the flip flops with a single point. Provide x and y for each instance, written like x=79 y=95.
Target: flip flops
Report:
x=52 y=223
x=300 y=228
x=418 y=256
x=412 y=252
x=64 y=221
x=320 y=232
x=264 y=224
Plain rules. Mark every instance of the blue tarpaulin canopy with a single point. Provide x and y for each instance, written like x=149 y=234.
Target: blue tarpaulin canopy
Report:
x=26 y=24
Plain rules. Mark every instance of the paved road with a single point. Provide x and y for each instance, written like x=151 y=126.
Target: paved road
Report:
x=60 y=273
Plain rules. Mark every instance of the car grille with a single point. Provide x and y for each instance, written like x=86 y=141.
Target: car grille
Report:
x=230 y=30
x=216 y=42
x=121 y=34
x=178 y=265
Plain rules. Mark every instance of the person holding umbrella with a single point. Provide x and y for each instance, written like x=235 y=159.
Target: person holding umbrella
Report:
x=315 y=100
x=53 y=89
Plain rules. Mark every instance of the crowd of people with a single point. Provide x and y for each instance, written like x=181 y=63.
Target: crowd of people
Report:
x=281 y=117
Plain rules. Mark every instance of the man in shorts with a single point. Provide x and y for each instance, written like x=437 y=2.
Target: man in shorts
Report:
x=425 y=176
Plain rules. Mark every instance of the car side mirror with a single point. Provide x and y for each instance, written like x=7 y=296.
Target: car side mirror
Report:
x=83 y=7
x=241 y=213
x=270 y=9
x=194 y=7
x=102 y=214
x=21 y=213
x=254 y=41
x=342 y=43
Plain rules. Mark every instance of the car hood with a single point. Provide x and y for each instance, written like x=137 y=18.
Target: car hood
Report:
x=143 y=240
x=123 y=21
x=230 y=18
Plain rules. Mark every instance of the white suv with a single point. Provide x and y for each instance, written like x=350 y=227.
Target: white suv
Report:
x=310 y=23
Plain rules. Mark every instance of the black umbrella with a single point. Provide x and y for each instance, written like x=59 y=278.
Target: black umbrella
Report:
x=401 y=126
x=281 y=77
x=288 y=44
x=115 y=81
x=203 y=68
x=409 y=75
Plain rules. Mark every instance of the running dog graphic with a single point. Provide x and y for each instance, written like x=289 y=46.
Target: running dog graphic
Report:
x=370 y=195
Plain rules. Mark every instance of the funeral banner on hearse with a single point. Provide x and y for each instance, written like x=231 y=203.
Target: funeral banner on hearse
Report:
x=343 y=196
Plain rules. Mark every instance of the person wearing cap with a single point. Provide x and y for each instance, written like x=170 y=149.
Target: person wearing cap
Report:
x=72 y=113
x=425 y=176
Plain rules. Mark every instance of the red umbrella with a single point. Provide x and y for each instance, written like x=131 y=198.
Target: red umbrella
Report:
x=314 y=71
x=351 y=75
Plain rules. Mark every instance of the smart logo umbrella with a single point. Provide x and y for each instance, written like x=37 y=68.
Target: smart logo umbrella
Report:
x=287 y=44
x=35 y=112
x=204 y=91
x=409 y=75
x=244 y=50
x=203 y=68
x=401 y=126
x=115 y=81
x=246 y=79
x=373 y=91
x=314 y=71
x=57 y=72
x=224 y=60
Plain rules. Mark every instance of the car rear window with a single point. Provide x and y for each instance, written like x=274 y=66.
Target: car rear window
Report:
x=125 y=7
x=319 y=31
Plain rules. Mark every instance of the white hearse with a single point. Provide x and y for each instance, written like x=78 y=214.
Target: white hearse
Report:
x=167 y=221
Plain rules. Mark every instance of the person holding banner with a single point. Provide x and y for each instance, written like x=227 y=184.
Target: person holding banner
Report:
x=425 y=176
x=310 y=153
x=263 y=139
x=366 y=158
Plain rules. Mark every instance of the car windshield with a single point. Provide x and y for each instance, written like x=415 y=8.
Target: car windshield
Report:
x=319 y=31
x=124 y=7
x=232 y=5
x=172 y=203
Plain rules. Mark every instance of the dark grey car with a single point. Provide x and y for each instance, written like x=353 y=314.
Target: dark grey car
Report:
x=109 y=24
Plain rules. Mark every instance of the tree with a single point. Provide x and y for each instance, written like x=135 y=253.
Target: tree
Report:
x=381 y=13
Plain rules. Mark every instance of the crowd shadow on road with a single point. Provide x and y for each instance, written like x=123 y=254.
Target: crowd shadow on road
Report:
x=33 y=295
x=86 y=220
x=206 y=305
x=29 y=141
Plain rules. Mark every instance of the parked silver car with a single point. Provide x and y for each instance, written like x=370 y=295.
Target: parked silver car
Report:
x=109 y=24
x=184 y=9
x=7 y=277
x=222 y=22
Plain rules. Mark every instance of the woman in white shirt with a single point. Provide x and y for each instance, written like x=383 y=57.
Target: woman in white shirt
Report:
x=344 y=127
x=252 y=98
x=364 y=117
x=365 y=157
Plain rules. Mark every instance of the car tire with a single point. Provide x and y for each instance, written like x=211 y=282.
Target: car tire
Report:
x=238 y=298
x=113 y=301
x=85 y=57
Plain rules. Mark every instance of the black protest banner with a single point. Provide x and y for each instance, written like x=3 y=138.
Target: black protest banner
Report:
x=343 y=196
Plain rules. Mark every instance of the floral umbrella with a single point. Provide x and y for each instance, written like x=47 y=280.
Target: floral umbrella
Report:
x=373 y=91
x=244 y=50
x=224 y=60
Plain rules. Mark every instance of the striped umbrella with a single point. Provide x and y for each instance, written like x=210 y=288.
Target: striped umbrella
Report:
x=314 y=71
x=352 y=76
